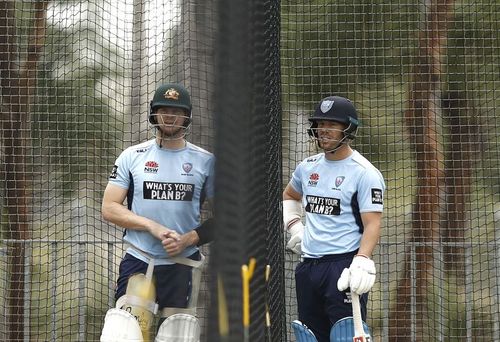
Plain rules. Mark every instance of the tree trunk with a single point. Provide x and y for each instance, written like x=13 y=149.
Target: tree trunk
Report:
x=17 y=86
x=195 y=64
x=422 y=119
x=464 y=149
x=139 y=96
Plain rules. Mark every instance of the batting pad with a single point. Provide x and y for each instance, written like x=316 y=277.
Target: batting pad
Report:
x=179 y=328
x=302 y=332
x=343 y=331
x=120 y=326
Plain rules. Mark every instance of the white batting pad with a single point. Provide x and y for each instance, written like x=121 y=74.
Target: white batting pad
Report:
x=120 y=326
x=179 y=328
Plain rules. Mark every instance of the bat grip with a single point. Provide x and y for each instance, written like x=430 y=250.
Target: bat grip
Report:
x=356 y=315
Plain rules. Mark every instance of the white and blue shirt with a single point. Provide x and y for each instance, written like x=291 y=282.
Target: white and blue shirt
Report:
x=334 y=194
x=166 y=186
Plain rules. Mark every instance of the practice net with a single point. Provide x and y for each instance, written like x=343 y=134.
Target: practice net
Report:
x=424 y=76
x=76 y=78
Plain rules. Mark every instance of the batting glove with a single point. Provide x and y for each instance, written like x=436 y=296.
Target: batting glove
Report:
x=360 y=276
x=345 y=278
x=295 y=242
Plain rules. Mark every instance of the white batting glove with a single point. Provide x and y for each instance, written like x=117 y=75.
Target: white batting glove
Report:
x=360 y=276
x=345 y=278
x=295 y=242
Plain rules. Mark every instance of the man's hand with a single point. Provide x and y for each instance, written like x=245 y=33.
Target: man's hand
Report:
x=295 y=242
x=174 y=243
x=360 y=276
x=158 y=231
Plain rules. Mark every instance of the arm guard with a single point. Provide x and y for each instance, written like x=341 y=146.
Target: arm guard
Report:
x=206 y=231
x=292 y=213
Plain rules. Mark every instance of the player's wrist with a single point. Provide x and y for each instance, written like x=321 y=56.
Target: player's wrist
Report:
x=364 y=263
x=363 y=255
x=150 y=226
x=191 y=238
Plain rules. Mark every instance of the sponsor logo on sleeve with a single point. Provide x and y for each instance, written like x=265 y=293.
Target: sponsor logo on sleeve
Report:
x=323 y=205
x=377 y=197
x=168 y=191
x=114 y=172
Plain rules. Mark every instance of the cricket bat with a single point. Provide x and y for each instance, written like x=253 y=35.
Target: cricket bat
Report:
x=359 y=332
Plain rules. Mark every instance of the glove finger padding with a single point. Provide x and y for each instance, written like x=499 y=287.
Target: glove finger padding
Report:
x=343 y=282
x=294 y=247
x=295 y=242
x=362 y=274
x=361 y=281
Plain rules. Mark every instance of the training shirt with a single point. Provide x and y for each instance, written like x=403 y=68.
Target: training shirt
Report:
x=166 y=186
x=334 y=194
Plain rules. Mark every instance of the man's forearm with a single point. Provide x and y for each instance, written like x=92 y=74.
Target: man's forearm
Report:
x=120 y=215
x=369 y=240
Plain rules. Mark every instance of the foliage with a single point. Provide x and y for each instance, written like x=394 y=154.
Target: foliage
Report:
x=72 y=121
x=364 y=50
x=333 y=45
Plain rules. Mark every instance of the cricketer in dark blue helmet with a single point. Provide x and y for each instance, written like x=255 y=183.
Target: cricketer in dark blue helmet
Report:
x=341 y=193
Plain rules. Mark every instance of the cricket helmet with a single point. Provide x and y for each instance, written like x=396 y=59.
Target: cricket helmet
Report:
x=170 y=95
x=335 y=108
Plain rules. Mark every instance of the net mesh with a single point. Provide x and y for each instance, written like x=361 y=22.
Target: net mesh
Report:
x=424 y=78
x=76 y=81
x=248 y=179
x=76 y=78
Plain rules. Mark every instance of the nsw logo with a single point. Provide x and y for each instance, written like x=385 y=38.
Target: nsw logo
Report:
x=326 y=105
x=151 y=167
x=313 y=179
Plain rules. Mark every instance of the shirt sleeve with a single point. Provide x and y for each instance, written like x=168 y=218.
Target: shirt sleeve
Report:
x=296 y=182
x=209 y=185
x=371 y=190
x=120 y=172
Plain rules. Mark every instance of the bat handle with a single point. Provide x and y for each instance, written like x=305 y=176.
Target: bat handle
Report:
x=359 y=333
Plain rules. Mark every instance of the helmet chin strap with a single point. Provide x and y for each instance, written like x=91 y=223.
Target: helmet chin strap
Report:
x=333 y=150
x=343 y=141
x=176 y=136
x=163 y=136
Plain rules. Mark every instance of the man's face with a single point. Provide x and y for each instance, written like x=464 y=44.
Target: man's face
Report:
x=329 y=133
x=171 y=120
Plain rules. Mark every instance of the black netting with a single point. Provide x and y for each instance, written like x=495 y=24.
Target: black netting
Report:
x=76 y=78
x=248 y=178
